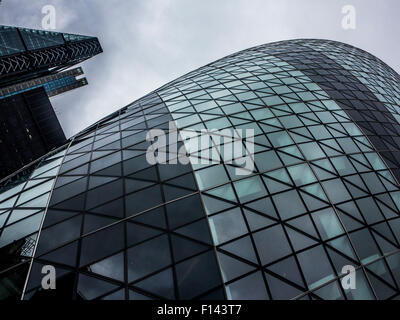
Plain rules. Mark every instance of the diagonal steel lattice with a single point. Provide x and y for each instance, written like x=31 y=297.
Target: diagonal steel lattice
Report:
x=53 y=57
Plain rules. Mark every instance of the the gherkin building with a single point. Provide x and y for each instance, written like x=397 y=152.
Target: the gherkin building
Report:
x=323 y=195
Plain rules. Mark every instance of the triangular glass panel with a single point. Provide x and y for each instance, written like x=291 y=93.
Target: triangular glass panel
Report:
x=330 y=291
x=354 y=191
x=257 y=221
x=251 y=287
x=63 y=180
x=349 y=223
x=225 y=192
x=281 y=290
x=186 y=181
x=232 y=268
x=172 y=193
x=90 y=288
x=275 y=186
x=380 y=269
x=75 y=203
x=94 y=222
x=135 y=185
x=98 y=181
x=289 y=270
x=383 y=229
x=161 y=284
x=83 y=170
x=184 y=248
x=304 y=224
x=116 y=296
x=242 y=248
x=382 y=290
x=351 y=209
x=385 y=245
x=149 y=174
x=112 y=209
x=55 y=216
x=112 y=267
x=312 y=203
x=198 y=231
x=213 y=205
x=299 y=241
x=113 y=171
x=148 y=257
x=344 y=246
x=153 y=218
x=264 y=206
x=65 y=255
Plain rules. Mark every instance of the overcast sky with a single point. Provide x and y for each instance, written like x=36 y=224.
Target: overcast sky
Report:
x=150 y=42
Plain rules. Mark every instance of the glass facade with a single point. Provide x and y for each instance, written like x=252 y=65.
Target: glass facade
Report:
x=29 y=129
x=54 y=84
x=15 y=40
x=10 y=41
x=33 y=67
x=27 y=54
x=324 y=192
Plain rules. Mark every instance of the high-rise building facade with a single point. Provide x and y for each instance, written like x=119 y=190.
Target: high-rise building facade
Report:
x=323 y=196
x=29 y=129
x=26 y=54
x=33 y=67
x=54 y=84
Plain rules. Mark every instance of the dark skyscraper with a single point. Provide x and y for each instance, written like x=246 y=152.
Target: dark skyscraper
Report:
x=27 y=54
x=54 y=84
x=323 y=194
x=33 y=67
x=29 y=129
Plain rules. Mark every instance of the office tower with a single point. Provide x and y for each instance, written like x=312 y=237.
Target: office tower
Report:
x=323 y=195
x=27 y=54
x=33 y=67
x=29 y=129
x=54 y=84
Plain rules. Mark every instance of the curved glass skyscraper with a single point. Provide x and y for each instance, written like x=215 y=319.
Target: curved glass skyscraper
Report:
x=321 y=197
